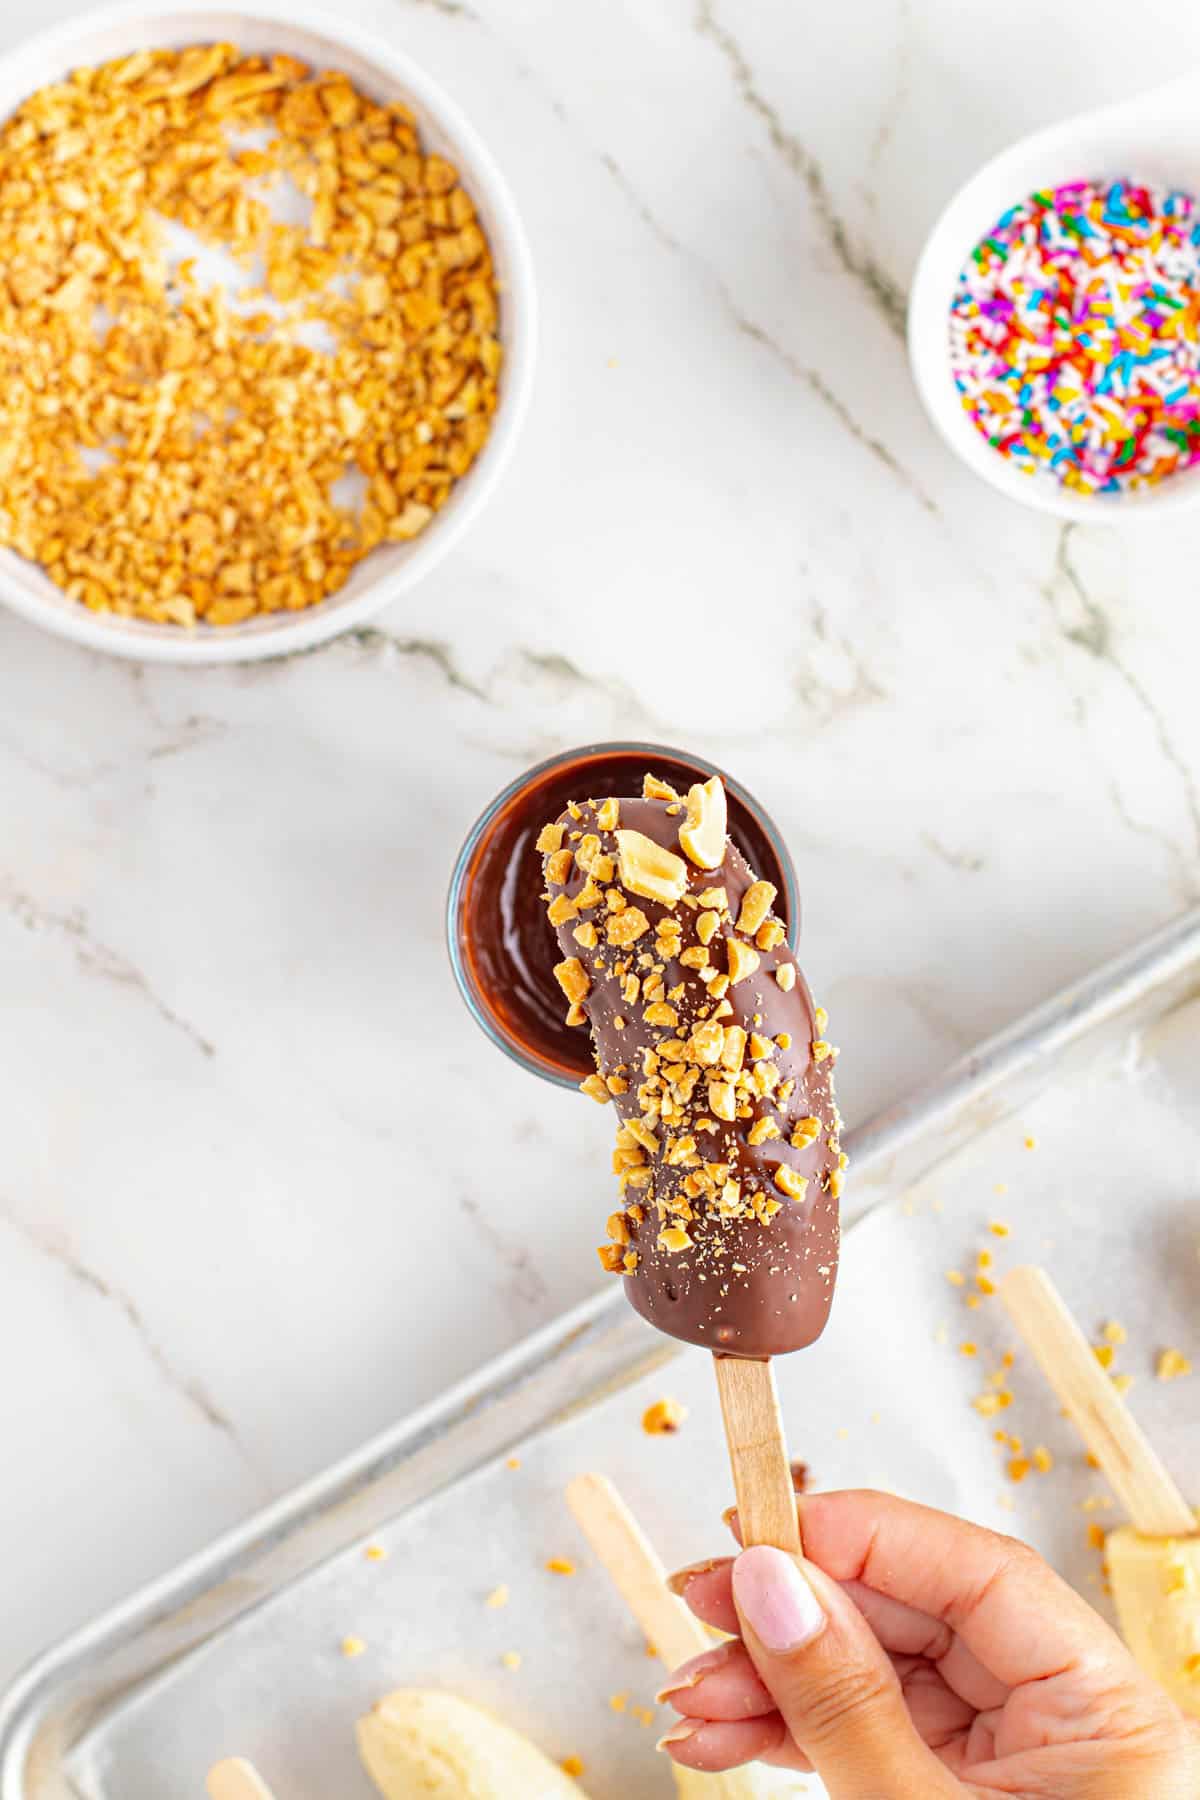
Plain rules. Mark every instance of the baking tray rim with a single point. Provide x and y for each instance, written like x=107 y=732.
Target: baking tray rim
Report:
x=1071 y=1014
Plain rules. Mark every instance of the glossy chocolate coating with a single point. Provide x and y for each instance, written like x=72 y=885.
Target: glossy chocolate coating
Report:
x=742 y=1287
x=509 y=953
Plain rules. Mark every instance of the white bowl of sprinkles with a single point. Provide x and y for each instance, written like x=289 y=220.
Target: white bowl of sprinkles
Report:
x=379 y=75
x=1153 y=140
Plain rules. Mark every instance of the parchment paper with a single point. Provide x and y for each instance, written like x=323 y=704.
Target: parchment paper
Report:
x=1106 y=1198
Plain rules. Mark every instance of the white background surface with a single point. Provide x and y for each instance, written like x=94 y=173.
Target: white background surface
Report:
x=263 y=1184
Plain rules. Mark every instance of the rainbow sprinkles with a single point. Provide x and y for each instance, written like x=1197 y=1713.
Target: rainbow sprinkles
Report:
x=1075 y=335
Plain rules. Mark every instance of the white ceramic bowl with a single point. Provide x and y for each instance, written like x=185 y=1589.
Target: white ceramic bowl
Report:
x=385 y=74
x=1154 y=139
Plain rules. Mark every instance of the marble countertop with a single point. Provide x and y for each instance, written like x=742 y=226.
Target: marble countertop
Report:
x=240 y=1228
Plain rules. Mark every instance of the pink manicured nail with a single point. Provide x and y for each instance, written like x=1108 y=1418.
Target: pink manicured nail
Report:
x=691 y=1673
x=775 y=1600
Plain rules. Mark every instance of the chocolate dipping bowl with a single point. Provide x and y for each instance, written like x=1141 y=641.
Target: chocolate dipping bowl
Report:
x=502 y=952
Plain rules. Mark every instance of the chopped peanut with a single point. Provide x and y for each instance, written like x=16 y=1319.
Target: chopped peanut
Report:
x=702 y=835
x=664 y=1417
x=757 y=902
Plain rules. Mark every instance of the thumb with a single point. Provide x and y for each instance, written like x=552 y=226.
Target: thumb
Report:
x=833 y=1682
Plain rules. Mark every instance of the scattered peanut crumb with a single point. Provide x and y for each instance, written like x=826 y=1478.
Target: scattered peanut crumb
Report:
x=512 y=1462
x=651 y=1650
x=1018 y=1468
x=1103 y=1354
x=1031 y=1143
x=968 y=1349
x=1115 y=1333
x=560 y=1565
x=619 y=1702
x=956 y=1278
x=1122 y=1383
x=498 y=1597
x=353 y=1646
x=511 y=1659
x=375 y=1553
x=1171 y=1365
x=664 y=1417
x=999 y=1229
x=1043 y=1461
x=1095 y=1536
x=572 y=1765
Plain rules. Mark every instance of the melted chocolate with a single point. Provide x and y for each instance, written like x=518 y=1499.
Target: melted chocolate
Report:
x=506 y=949
x=741 y=1287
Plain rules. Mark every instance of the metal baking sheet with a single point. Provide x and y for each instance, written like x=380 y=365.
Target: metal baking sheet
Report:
x=239 y=1650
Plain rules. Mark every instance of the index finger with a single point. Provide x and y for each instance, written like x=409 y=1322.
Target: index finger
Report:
x=989 y=1590
x=1020 y=1619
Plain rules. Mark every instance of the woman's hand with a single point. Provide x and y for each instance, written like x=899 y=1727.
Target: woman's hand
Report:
x=911 y=1656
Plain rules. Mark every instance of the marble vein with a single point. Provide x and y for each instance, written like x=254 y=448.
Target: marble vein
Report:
x=94 y=956
x=430 y=650
x=897 y=98
x=861 y=689
x=56 y=1251
x=885 y=294
x=526 y=1284
x=961 y=860
x=1092 y=633
x=750 y=328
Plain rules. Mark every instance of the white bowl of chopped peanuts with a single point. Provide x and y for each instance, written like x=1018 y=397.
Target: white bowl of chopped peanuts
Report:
x=267 y=329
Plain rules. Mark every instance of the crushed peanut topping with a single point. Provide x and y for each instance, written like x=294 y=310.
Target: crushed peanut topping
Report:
x=595 y=1087
x=742 y=960
x=664 y=1417
x=573 y=979
x=702 y=834
x=169 y=451
x=789 y=1183
x=757 y=902
x=785 y=975
x=703 y=1094
x=647 y=869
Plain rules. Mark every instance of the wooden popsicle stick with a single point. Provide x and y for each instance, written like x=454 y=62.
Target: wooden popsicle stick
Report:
x=236 y=1779
x=762 y=1475
x=1145 y=1486
x=636 y=1572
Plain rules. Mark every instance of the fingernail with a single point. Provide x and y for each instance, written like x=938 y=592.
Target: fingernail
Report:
x=679 y=1734
x=691 y=1673
x=679 y=1580
x=775 y=1600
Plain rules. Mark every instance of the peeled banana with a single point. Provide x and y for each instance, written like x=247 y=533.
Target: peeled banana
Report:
x=1156 y=1587
x=419 y=1744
